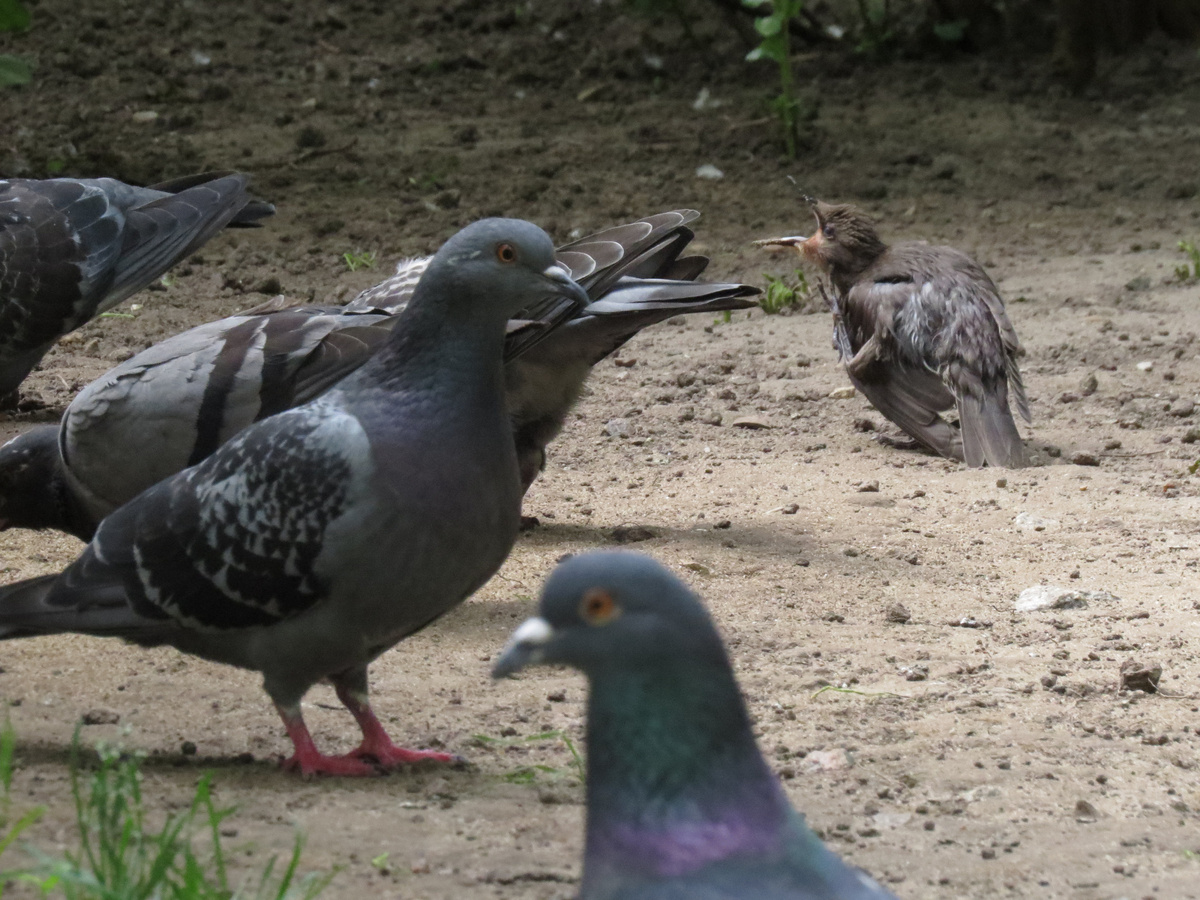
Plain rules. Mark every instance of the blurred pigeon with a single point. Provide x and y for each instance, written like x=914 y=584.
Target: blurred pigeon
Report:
x=188 y=395
x=681 y=803
x=72 y=248
x=319 y=537
x=925 y=330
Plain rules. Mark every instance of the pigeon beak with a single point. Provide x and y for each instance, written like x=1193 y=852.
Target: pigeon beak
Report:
x=565 y=285
x=525 y=648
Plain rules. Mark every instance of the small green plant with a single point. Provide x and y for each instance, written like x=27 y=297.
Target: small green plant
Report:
x=782 y=293
x=13 y=69
x=951 y=32
x=1184 y=273
x=875 y=18
x=528 y=774
x=10 y=830
x=121 y=857
x=776 y=45
x=359 y=259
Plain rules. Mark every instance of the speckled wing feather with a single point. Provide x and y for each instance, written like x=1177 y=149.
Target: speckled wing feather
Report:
x=234 y=542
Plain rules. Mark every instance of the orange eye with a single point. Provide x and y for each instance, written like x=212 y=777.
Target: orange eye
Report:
x=598 y=607
x=506 y=253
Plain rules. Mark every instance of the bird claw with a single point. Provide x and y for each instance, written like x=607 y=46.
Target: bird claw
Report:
x=340 y=766
x=393 y=757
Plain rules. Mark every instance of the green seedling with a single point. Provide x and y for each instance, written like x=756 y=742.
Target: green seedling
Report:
x=360 y=259
x=876 y=25
x=120 y=856
x=1184 y=273
x=11 y=830
x=773 y=27
x=13 y=69
x=782 y=293
x=527 y=774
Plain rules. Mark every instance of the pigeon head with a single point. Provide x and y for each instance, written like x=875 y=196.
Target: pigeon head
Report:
x=30 y=478
x=613 y=609
x=495 y=268
x=675 y=781
x=844 y=243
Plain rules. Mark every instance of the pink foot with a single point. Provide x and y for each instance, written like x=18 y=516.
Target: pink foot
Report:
x=376 y=745
x=345 y=766
x=389 y=756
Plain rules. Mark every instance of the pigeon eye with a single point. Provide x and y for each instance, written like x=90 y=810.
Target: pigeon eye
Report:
x=506 y=253
x=598 y=607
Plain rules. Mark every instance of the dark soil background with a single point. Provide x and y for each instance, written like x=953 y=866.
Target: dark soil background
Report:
x=990 y=752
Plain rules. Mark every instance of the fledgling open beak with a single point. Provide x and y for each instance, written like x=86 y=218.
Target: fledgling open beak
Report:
x=805 y=246
x=525 y=647
x=796 y=241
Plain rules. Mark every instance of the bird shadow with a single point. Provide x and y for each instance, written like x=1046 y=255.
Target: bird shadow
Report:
x=243 y=768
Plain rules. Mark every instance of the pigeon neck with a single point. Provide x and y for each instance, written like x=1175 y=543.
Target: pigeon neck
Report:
x=675 y=779
x=429 y=340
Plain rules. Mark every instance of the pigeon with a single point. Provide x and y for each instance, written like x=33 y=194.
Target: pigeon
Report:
x=72 y=248
x=681 y=804
x=188 y=395
x=319 y=537
x=925 y=330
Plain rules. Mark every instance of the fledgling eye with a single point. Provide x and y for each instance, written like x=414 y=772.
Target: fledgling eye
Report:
x=598 y=607
x=506 y=253
x=829 y=231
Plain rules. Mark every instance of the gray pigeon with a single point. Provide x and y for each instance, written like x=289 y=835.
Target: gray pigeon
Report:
x=72 y=248
x=681 y=804
x=926 y=331
x=191 y=393
x=319 y=537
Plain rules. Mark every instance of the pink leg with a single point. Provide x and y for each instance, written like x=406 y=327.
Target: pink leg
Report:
x=376 y=744
x=308 y=760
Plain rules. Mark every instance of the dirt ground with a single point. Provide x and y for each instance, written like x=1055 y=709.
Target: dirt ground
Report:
x=983 y=751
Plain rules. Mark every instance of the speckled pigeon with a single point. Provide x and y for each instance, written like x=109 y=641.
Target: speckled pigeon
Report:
x=926 y=331
x=681 y=804
x=72 y=248
x=321 y=536
x=173 y=404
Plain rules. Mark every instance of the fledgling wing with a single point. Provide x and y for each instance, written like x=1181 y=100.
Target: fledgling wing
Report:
x=911 y=399
x=935 y=322
x=232 y=543
x=987 y=292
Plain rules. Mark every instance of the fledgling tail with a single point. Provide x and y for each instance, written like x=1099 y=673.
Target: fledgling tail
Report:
x=989 y=433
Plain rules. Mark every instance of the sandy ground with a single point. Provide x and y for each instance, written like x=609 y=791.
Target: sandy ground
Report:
x=980 y=751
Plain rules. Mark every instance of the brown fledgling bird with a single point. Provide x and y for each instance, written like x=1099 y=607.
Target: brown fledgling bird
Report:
x=921 y=329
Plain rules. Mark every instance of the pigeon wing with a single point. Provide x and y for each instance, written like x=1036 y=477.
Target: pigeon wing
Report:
x=233 y=542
